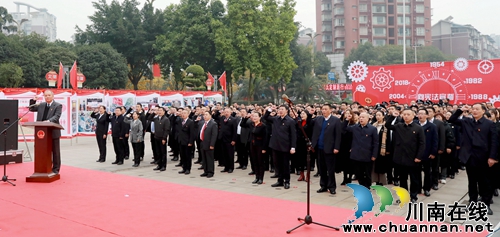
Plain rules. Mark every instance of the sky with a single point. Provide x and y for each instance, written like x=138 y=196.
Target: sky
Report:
x=482 y=14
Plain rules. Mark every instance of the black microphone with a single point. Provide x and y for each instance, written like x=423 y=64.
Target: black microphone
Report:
x=33 y=105
x=285 y=98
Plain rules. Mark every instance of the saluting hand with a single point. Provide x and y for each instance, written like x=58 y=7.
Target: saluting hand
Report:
x=491 y=162
x=335 y=151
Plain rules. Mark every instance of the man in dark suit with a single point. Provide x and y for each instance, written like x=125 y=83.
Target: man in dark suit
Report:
x=186 y=135
x=126 y=145
x=327 y=131
x=430 y=151
x=409 y=144
x=478 y=151
x=283 y=142
x=208 y=137
x=227 y=135
x=441 y=132
x=243 y=137
x=162 y=130
x=364 y=148
x=173 y=116
x=118 y=131
x=392 y=173
x=50 y=111
x=101 y=131
x=151 y=116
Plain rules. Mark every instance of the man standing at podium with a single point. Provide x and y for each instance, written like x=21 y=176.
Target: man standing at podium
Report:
x=50 y=111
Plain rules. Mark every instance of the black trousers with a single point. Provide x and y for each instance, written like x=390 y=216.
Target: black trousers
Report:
x=186 y=161
x=161 y=149
x=392 y=171
x=136 y=147
x=198 y=147
x=363 y=171
x=175 y=148
x=119 y=149
x=126 y=147
x=56 y=155
x=326 y=163
x=415 y=174
x=228 y=156
x=282 y=165
x=435 y=170
x=242 y=150
x=101 y=143
x=478 y=181
x=208 y=162
x=257 y=159
x=156 y=156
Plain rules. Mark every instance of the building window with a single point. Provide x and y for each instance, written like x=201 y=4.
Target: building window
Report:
x=363 y=19
x=327 y=38
x=339 y=44
x=419 y=8
x=420 y=31
x=379 y=9
x=378 y=31
x=400 y=42
x=327 y=48
x=363 y=41
x=400 y=20
x=339 y=22
x=326 y=7
x=339 y=10
x=400 y=31
x=420 y=20
x=363 y=8
x=419 y=0
x=363 y=30
x=326 y=27
x=378 y=42
x=400 y=9
x=339 y=33
x=327 y=16
x=421 y=42
x=404 y=1
x=379 y=20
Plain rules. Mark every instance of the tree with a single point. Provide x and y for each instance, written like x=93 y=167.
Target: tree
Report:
x=5 y=18
x=128 y=29
x=103 y=66
x=322 y=64
x=188 y=38
x=307 y=89
x=13 y=51
x=51 y=56
x=195 y=77
x=262 y=89
x=11 y=75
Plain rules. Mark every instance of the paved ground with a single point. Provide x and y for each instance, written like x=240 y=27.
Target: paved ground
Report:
x=83 y=152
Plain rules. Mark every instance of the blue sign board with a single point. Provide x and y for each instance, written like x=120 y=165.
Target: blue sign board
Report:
x=331 y=76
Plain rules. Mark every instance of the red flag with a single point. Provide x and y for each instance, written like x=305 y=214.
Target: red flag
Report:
x=72 y=76
x=60 y=76
x=222 y=81
x=211 y=78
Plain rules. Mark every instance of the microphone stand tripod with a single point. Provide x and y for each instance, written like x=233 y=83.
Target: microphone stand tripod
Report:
x=307 y=220
x=5 y=178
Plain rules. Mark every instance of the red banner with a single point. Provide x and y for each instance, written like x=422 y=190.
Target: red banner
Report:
x=461 y=81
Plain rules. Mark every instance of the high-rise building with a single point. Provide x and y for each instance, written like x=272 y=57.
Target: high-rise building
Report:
x=346 y=24
x=39 y=21
x=463 y=41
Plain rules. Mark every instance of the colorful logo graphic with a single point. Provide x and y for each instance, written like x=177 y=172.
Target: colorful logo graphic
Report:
x=366 y=201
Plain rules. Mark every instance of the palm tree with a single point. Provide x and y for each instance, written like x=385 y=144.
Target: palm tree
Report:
x=262 y=88
x=307 y=89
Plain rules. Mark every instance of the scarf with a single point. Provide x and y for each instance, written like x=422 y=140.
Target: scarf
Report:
x=383 y=145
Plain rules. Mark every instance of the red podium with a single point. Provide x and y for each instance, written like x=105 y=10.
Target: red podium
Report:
x=43 y=152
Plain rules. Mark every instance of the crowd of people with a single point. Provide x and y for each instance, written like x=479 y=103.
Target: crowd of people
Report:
x=387 y=143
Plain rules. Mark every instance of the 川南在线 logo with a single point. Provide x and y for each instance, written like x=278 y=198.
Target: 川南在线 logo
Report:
x=366 y=202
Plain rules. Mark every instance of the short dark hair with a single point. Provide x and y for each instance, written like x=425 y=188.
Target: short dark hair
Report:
x=286 y=107
x=431 y=108
x=161 y=108
x=424 y=109
x=329 y=105
x=139 y=104
x=102 y=106
x=483 y=107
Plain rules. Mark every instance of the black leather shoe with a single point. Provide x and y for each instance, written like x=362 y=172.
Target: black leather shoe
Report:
x=157 y=168
x=126 y=158
x=200 y=168
x=260 y=181
x=163 y=169
x=271 y=171
x=435 y=187
x=230 y=171
x=255 y=181
x=175 y=158
x=239 y=167
x=414 y=200
x=287 y=185
x=244 y=168
x=220 y=166
x=396 y=183
x=316 y=175
x=178 y=165
x=182 y=172
x=278 y=184
x=204 y=175
x=322 y=190
x=495 y=193
x=197 y=162
x=251 y=173
x=187 y=172
x=223 y=171
x=427 y=193
x=452 y=176
x=275 y=176
x=114 y=163
x=153 y=162
x=99 y=160
x=210 y=175
x=135 y=165
x=120 y=163
x=333 y=192
x=490 y=212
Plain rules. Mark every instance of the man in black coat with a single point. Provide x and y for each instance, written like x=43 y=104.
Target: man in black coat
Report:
x=173 y=116
x=441 y=132
x=327 y=131
x=283 y=142
x=101 y=131
x=118 y=131
x=409 y=144
x=227 y=135
x=242 y=140
x=364 y=148
x=392 y=173
x=431 y=148
x=208 y=137
x=162 y=130
x=151 y=116
x=478 y=151
x=186 y=135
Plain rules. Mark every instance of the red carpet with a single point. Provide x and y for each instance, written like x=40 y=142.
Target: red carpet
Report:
x=93 y=203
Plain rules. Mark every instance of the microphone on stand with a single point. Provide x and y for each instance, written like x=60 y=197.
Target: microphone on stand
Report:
x=33 y=105
x=285 y=98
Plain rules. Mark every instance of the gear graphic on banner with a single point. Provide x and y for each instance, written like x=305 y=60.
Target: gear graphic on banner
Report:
x=485 y=67
x=461 y=64
x=495 y=99
x=361 y=88
x=357 y=71
x=382 y=79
